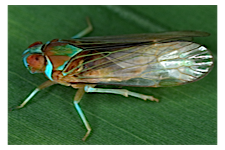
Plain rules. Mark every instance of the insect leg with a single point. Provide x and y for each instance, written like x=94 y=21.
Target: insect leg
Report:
x=123 y=92
x=85 y=31
x=77 y=99
x=32 y=94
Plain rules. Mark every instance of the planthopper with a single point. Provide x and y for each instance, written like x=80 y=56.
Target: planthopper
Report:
x=142 y=60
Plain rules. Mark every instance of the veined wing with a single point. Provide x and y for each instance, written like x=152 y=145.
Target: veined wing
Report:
x=158 y=64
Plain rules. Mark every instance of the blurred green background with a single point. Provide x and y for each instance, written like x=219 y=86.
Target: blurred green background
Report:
x=186 y=114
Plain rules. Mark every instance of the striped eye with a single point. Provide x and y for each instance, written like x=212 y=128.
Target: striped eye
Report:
x=35 y=44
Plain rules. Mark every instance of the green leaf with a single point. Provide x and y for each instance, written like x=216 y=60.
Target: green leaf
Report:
x=186 y=114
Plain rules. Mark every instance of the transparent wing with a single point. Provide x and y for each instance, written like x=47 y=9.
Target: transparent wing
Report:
x=156 y=65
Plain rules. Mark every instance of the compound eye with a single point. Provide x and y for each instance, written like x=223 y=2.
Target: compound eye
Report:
x=36 y=62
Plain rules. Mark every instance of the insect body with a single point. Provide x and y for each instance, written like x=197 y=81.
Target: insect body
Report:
x=146 y=60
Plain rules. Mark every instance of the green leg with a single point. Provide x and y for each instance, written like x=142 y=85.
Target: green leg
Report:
x=42 y=86
x=85 y=31
x=77 y=99
x=123 y=92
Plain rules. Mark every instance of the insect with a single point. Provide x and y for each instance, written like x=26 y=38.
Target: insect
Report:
x=144 y=60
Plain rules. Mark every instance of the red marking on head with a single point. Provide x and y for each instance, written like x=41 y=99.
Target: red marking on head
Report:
x=35 y=43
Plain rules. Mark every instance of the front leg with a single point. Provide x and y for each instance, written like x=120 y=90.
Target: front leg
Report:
x=32 y=94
